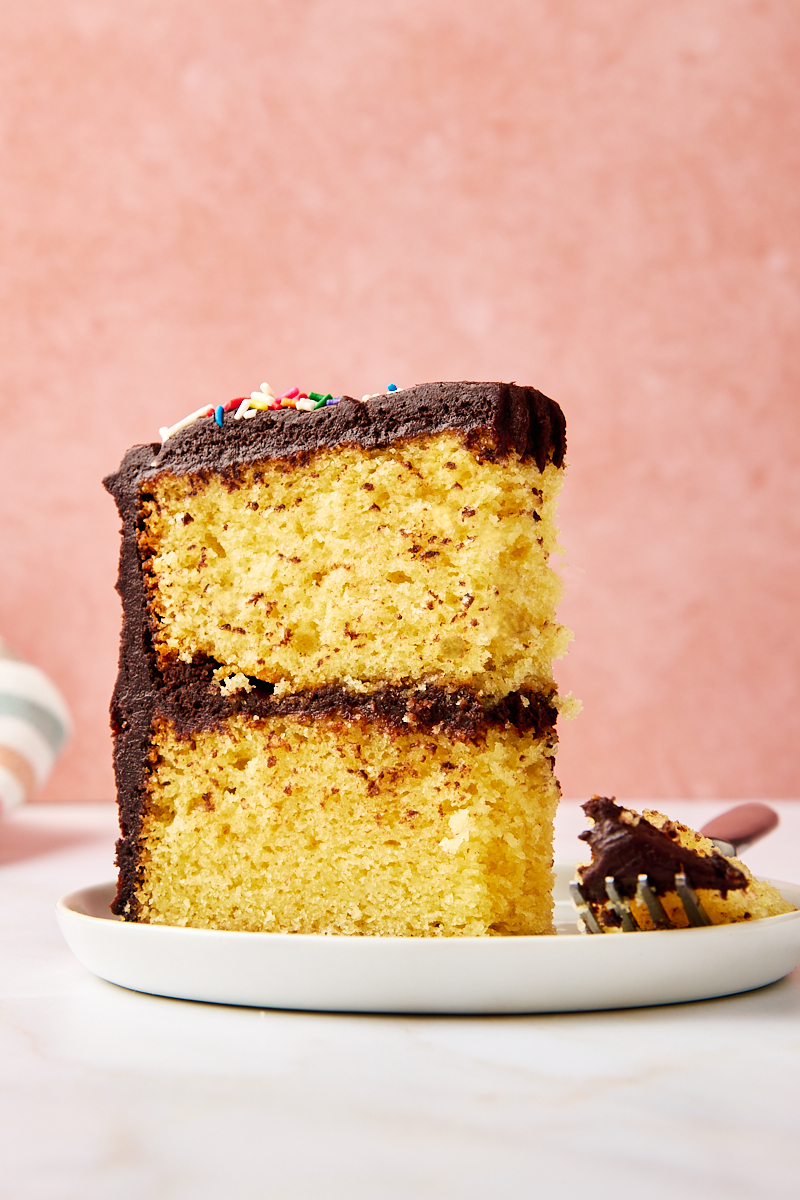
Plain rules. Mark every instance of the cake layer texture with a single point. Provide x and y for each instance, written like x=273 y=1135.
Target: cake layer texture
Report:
x=411 y=562
x=184 y=708
x=335 y=824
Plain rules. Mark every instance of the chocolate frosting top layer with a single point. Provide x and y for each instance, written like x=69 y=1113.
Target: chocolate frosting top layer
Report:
x=625 y=847
x=495 y=419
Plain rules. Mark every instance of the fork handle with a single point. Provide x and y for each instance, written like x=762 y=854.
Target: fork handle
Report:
x=740 y=827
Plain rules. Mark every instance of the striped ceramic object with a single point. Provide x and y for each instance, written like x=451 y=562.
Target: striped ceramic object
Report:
x=34 y=725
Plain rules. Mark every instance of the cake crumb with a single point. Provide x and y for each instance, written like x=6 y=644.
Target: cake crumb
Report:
x=459 y=828
x=230 y=682
x=568 y=706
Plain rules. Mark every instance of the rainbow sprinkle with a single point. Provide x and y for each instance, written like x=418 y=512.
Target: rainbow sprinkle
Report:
x=264 y=400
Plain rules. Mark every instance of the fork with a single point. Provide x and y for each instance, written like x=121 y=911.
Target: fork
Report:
x=730 y=832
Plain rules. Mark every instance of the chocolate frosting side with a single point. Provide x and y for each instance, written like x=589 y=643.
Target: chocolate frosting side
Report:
x=136 y=686
x=495 y=420
x=628 y=850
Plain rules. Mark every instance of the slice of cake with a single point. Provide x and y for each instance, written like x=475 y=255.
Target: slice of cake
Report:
x=625 y=845
x=335 y=709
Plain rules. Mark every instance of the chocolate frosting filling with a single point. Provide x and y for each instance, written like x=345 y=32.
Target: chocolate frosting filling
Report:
x=494 y=419
x=626 y=848
x=189 y=697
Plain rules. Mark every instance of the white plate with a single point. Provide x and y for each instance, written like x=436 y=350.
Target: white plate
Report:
x=567 y=973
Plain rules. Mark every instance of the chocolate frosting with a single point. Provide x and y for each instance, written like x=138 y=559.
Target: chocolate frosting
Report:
x=189 y=697
x=629 y=850
x=494 y=419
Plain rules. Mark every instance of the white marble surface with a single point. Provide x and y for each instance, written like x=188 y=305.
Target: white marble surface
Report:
x=108 y=1093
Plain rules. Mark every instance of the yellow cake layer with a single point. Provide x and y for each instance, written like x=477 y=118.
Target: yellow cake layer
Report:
x=414 y=562
x=337 y=826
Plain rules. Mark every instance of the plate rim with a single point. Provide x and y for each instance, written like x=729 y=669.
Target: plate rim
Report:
x=432 y=975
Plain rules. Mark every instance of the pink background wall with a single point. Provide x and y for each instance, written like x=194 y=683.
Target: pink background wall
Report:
x=599 y=197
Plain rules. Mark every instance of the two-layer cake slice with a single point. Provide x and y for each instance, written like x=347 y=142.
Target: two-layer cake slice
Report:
x=335 y=709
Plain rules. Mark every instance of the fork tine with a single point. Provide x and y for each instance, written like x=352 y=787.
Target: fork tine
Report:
x=584 y=910
x=694 y=910
x=658 y=915
x=621 y=907
x=695 y=913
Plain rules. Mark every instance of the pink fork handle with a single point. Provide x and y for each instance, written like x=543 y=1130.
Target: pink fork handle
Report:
x=743 y=825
